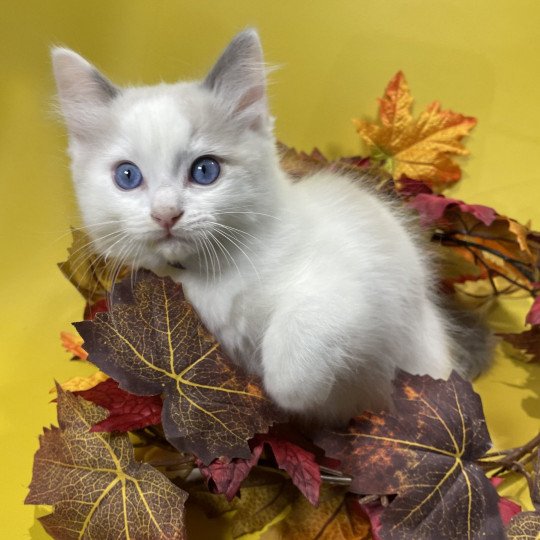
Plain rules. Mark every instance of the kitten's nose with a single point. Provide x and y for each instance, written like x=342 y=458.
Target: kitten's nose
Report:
x=167 y=218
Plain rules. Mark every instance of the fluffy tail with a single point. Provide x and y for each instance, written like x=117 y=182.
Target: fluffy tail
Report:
x=472 y=341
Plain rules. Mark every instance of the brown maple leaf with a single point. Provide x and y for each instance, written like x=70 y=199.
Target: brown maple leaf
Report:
x=425 y=453
x=524 y=526
x=152 y=342
x=337 y=517
x=527 y=341
x=300 y=164
x=417 y=148
x=498 y=249
x=92 y=275
x=97 y=488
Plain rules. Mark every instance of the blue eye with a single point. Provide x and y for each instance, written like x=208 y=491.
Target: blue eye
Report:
x=128 y=176
x=205 y=170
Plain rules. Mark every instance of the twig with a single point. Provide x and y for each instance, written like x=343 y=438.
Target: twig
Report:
x=513 y=459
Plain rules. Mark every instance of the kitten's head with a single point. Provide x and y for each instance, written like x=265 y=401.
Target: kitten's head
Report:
x=161 y=171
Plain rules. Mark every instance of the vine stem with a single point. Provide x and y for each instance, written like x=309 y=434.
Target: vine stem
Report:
x=513 y=459
x=512 y=455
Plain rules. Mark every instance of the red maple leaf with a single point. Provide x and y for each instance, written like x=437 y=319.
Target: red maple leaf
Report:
x=91 y=310
x=533 y=317
x=127 y=411
x=507 y=508
x=225 y=475
x=432 y=207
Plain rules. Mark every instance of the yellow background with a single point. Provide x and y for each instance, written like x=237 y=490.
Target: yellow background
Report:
x=481 y=58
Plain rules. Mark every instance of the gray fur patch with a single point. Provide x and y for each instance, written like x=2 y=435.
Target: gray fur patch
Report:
x=472 y=341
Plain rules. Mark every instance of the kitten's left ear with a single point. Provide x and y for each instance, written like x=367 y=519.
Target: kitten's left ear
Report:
x=239 y=78
x=83 y=91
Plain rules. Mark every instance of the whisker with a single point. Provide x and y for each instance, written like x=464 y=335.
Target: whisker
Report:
x=234 y=229
x=79 y=261
x=210 y=254
x=90 y=227
x=210 y=243
x=245 y=212
x=226 y=252
x=218 y=231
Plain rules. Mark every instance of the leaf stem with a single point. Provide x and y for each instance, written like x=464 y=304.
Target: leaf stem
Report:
x=512 y=460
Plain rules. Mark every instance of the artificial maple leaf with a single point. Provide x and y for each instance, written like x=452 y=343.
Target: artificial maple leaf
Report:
x=338 y=517
x=524 y=526
x=431 y=208
x=152 y=342
x=92 y=274
x=533 y=317
x=73 y=345
x=226 y=475
x=299 y=164
x=78 y=384
x=127 y=412
x=266 y=494
x=418 y=148
x=496 y=249
x=528 y=342
x=374 y=511
x=90 y=310
x=300 y=465
x=409 y=187
x=96 y=487
x=424 y=452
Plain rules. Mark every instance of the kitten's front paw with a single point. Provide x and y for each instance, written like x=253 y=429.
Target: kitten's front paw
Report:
x=296 y=395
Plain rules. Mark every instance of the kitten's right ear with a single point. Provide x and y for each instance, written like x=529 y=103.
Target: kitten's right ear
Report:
x=239 y=78
x=82 y=90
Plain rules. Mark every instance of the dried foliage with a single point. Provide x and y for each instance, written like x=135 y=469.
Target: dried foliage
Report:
x=338 y=516
x=417 y=148
x=91 y=274
x=153 y=343
x=425 y=452
x=97 y=488
x=127 y=412
x=420 y=471
x=526 y=525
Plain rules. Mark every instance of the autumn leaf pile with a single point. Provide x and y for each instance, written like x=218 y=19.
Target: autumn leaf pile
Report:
x=170 y=424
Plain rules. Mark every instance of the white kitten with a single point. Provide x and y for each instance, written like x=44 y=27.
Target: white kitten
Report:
x=317 y=286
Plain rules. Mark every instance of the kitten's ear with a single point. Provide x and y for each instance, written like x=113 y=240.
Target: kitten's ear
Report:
x=82 y=90
x=239 y=78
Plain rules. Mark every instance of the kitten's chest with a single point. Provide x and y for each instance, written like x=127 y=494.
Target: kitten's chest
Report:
x=231 y=312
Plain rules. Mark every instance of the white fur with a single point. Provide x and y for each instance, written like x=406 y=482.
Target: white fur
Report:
x=319 y=287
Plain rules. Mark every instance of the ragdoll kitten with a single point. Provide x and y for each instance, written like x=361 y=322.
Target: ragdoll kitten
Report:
x=319 y=286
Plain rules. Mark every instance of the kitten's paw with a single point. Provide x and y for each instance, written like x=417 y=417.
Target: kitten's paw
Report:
x=296 y=395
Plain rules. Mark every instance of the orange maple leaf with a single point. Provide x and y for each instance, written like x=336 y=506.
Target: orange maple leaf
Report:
x=73 y=344
x=417 y=148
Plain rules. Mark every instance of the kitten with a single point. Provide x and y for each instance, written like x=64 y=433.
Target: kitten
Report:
x=319 y=286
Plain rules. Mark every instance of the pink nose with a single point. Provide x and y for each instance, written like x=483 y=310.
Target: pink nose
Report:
x=167 y=220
